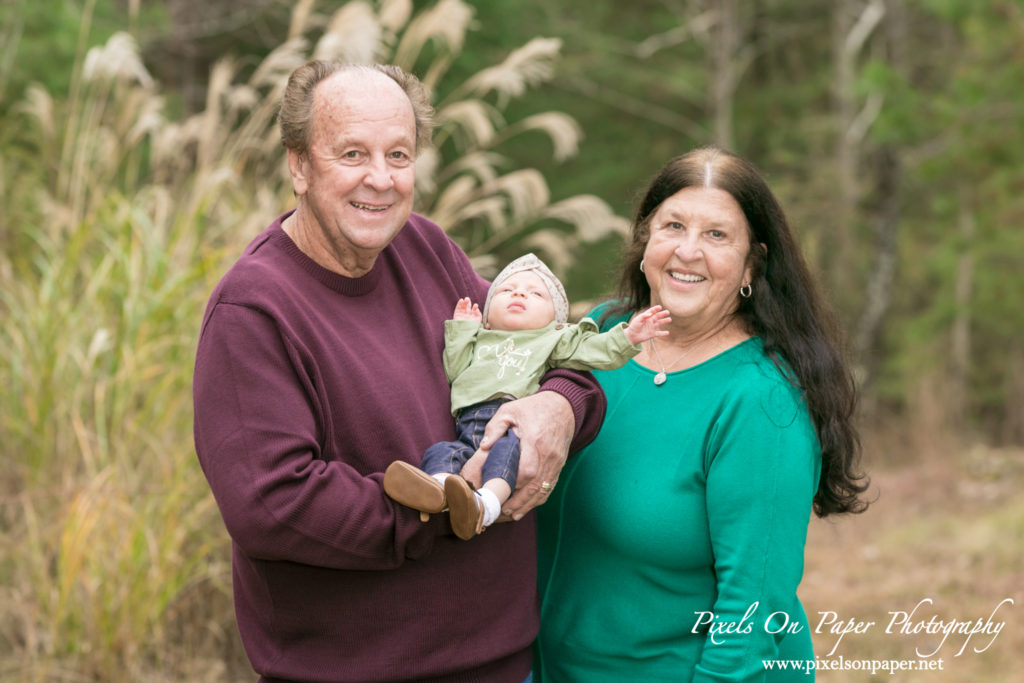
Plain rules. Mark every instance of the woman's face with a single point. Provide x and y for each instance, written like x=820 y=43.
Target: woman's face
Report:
x=696 y=257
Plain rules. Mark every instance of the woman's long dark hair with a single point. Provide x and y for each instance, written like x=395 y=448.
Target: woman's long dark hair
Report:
x=785 y=310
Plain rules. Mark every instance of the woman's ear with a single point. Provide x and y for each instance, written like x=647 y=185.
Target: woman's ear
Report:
x=748 y=272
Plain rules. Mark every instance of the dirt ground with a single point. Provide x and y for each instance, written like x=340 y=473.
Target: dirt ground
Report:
x=938 y=555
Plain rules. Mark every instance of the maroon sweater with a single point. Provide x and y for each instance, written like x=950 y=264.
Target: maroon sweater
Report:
x=307 y=385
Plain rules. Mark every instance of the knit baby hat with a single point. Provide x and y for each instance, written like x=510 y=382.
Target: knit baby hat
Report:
x=531 y=262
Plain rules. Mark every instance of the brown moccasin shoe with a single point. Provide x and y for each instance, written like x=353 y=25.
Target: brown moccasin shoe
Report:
x=465 y=512
x=414 y=488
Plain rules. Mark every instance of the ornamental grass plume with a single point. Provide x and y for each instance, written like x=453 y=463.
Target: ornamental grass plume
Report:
x=119 y=217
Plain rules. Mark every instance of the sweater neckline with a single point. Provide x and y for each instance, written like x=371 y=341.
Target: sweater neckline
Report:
x=346 y=286
x=728 y=353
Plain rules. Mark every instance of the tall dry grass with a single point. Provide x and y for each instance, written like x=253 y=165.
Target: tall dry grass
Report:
x=118 y=221
x=107 y=528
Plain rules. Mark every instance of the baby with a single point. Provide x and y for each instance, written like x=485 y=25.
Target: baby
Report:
x=524 y=334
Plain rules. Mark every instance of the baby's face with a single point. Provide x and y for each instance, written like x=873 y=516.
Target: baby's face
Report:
x=521 y=302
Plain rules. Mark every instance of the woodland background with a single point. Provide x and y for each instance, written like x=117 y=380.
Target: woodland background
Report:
x=139 y=155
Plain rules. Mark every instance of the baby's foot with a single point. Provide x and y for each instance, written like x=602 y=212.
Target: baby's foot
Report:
x=464 y=509
x=414 y=488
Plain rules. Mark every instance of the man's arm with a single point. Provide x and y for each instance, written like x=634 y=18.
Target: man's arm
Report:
x=563 y=417
x=257 y=431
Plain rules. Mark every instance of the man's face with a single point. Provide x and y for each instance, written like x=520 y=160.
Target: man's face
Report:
x=356 y=183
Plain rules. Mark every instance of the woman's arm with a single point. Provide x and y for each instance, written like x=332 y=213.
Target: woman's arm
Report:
x=762 y=472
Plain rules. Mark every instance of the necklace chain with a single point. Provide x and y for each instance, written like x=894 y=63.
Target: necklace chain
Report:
x=661 y=377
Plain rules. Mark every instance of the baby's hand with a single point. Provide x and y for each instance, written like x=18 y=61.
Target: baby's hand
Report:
x=467 y=310
x=647 y=325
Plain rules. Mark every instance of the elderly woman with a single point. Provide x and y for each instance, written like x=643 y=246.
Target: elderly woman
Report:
x=673 y=546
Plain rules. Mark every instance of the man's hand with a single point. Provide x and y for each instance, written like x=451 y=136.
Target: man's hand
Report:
x=545 y=426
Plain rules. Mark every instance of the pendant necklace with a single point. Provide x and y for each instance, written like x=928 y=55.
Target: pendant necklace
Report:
x=661 y=377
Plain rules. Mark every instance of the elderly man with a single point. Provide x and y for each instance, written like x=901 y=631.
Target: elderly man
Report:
x=319 y=363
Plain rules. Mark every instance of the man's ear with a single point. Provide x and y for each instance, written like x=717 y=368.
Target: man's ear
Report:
x=298 y=169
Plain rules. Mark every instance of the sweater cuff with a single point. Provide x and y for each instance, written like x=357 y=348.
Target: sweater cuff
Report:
x=421 y=543
x=586 y=399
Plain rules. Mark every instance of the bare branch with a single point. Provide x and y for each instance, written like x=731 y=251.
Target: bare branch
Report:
x=866 y=24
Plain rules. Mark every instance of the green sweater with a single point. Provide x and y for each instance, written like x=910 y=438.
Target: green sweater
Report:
x=484 y=364
x=694 y=499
